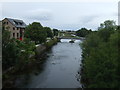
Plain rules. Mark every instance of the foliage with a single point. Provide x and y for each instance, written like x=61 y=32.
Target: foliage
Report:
x=55 y=32
x=108 y=24
x=106 y=29
x=27 y=49
x=14 y=51
x=83 y=32
x=100 y=58
x=9 y=50
x=49 y=32
x=35 y=32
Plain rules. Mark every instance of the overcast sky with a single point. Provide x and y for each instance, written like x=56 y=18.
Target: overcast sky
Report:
x=63 y=15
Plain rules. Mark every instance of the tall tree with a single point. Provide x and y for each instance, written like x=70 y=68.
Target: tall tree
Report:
x=55 y=32
x=108 y=24
x=49 y=32
x=101 y=58
x=106 y=29
x=35 y=32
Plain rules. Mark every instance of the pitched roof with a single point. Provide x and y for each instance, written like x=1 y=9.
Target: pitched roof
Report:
x=17 y=23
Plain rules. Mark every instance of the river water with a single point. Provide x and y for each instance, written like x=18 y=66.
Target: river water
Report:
x=61 y=69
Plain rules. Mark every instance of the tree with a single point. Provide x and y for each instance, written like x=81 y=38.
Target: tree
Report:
x=106 y=29
x=35 y=32
x=83 y=32
x=100 y=58
x=55 y=32
x=15 y=53
x=108 y=24
x=49 y=32
x=10 y=53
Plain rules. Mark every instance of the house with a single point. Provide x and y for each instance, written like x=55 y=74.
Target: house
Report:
x=15 y=26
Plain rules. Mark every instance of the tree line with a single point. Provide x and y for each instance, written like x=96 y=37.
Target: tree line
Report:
x=83 y=32
x=36 y=32
x=100 y=57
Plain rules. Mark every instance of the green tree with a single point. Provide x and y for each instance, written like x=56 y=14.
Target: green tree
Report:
x=55 y=32
x=35 y=32
x=15 y=53
x=108 y=24
x=100 y=58
x=106 y=29
x=10 y=53
x=49 y=32
x=83 y=32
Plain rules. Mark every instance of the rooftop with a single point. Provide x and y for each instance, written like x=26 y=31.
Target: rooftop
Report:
x=17 y=23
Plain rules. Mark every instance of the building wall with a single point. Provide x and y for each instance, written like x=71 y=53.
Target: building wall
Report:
x=15 y=32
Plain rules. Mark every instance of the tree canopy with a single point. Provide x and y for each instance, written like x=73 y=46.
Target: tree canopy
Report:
x=49 y=32
x=83 y=32
x=36 y=32
x=100 y=57
x=55 y=32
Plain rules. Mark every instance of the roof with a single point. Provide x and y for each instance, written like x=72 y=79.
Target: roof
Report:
x=17 y=23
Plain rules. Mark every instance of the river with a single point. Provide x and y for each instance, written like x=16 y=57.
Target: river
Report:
x=61 y=69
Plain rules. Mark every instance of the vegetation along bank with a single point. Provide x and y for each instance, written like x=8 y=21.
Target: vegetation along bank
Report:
x=100 y=58
x=19 y=56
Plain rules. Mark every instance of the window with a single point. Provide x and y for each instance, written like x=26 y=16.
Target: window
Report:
x=13 y=28
x=20 y=23
x=16 y=22
x=17 y=28
x=17 y=35
x=13 y=35
x=7 y=23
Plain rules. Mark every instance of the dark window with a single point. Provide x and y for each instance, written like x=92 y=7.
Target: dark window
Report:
x=16 y=22
x=17 y=28
x=20 y=23
x=17 y=35
x=13 y=28
x=13 y=35
x=7 y=23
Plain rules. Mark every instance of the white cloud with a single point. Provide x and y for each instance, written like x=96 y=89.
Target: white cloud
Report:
x=62 y=15
x=39 y=14
x=0 y=10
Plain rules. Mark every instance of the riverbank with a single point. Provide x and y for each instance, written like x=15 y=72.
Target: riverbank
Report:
x=40 y=49
x=10 y=76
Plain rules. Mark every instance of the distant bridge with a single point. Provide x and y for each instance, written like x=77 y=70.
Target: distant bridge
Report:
x=74 y=38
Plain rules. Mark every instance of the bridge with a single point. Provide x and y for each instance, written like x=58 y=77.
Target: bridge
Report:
x=69 y=35
x=74 y=38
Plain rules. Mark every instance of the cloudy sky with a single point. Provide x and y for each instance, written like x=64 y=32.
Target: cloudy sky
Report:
x=69 y=15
